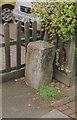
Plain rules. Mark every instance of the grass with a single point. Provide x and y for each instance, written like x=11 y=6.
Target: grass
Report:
x=48 y=91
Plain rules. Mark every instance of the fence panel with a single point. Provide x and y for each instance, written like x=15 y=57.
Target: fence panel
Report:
x=64 y=62
x=30 y=34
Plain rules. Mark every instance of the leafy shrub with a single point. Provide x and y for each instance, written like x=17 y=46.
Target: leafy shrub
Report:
x=59 y=18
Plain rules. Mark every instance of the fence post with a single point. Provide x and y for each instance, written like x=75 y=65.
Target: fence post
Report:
x=46 y=38
x=27 y=37
x=7 y=46
x=18 y=45
x=34 y=30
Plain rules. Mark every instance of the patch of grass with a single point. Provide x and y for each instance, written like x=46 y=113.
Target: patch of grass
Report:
x=48 y=91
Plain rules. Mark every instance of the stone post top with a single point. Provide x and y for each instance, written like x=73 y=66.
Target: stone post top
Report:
x=40 y=44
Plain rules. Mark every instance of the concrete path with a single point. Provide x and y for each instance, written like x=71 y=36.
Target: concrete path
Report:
x=21 y=101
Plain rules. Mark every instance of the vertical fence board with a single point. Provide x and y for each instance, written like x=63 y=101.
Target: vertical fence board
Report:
x=34 y=30
x=18 y=45
x=7 y=46
x=61 y=53
x=46 y=37
x=27 y=37
x=41 y=34
x=71 y=57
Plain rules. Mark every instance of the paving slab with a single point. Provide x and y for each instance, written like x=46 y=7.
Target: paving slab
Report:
x=21 y=101
x=55 y=114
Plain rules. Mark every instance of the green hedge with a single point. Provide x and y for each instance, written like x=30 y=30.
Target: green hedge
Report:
x=60 y=18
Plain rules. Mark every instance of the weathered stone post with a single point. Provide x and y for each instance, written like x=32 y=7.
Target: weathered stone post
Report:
x=39 y=63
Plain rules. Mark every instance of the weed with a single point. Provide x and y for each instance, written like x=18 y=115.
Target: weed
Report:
x=48 y=91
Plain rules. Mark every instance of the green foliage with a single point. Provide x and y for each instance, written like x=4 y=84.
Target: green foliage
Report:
x=48 y=91
x=60 y=18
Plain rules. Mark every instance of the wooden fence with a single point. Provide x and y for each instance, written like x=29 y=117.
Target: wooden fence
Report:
x=10 y=73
